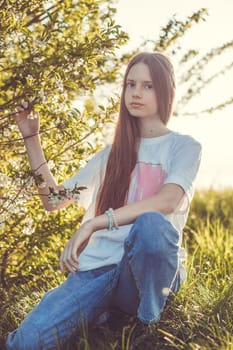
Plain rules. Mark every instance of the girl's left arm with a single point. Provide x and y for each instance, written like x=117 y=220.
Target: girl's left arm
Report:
x=165 y=202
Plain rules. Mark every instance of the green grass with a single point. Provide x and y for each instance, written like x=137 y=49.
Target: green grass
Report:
x=199 y=317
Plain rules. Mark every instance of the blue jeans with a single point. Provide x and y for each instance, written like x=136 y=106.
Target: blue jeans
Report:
x=139 y=285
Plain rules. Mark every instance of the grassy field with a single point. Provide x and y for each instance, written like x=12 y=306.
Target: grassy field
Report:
x=199 y=317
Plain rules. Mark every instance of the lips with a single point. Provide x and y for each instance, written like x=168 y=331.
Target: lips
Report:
x=136 y=104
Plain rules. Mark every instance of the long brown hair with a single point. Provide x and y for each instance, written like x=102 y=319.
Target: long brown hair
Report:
x=123 y=155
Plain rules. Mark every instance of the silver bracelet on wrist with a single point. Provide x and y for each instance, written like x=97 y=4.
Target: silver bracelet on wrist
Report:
x=112 y=220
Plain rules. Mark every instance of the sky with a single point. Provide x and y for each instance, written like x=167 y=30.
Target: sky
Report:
x=143 y=19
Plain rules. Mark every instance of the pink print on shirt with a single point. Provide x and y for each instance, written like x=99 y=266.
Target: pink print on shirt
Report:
x=146 y=180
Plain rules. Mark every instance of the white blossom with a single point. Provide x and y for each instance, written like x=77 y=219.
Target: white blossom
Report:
x=14 y=209
x=32 y=115
x=25 y=104
x=31 y=98
x=51 y=164
x=7 y=133
x=76 y=196
x=29 y=79
x=5 y=181
x=41 y=95
x=55 y=99
x=30 y=182
x=37 y=59
x=60 y=85
x=55 y=199
x=58 y=197
x=42 y=185
x=18 y=181
x=27 y=230
x=2 y=225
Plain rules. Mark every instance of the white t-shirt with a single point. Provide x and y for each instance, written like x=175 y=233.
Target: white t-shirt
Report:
x=171 y=158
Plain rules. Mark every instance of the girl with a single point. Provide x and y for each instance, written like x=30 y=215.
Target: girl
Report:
x=127 y=253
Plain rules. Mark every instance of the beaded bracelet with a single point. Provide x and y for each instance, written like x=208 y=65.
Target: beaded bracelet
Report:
x=110 y=219
x=115 y=223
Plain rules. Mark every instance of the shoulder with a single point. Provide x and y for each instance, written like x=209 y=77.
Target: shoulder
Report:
x=102 y=155
x=180 y=138
x=179 y=141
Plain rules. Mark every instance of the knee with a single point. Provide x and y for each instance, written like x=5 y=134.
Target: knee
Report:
x=149 y=234
x=150 y=220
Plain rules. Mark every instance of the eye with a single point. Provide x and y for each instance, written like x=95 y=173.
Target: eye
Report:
x=148 y=86
x=130 y=84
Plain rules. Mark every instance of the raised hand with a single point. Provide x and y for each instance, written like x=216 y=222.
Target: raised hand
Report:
x=28 y=121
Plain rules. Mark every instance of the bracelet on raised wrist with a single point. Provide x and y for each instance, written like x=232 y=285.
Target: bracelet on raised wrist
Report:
x=34 y=170
x=28 y=137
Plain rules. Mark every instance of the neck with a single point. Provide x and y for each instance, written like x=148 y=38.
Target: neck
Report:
x=155 y=129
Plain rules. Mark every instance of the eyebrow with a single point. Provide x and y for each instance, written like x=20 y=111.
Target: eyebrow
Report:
x=144 y=81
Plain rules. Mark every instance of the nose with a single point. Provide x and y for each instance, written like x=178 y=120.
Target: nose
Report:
x=137 y=92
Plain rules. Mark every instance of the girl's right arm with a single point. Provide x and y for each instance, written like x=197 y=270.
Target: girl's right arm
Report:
x=29 y=129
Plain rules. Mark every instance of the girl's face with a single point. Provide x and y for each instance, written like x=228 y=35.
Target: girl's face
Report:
x=140 y=95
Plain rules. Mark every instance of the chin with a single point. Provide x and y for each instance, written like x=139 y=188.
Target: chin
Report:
x=136 y=114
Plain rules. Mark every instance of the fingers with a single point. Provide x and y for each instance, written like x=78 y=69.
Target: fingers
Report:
x=20 y=111
x=23 y=106
x=69 y=259
x=74 y=247
x=68 y=263
x=25 y=109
